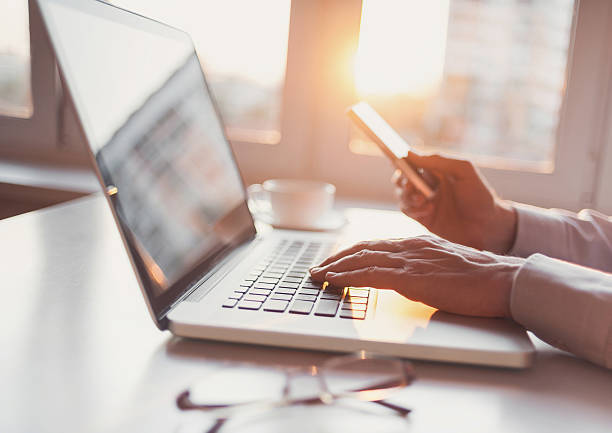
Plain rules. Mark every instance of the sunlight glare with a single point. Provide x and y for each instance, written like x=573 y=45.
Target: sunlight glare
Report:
x=401 y=47
x=234 y=37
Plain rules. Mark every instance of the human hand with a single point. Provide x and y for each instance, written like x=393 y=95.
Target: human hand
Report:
x=428 y=269
x=464 y=209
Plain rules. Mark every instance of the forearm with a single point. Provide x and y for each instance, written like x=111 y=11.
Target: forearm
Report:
x=584 y=238
x=566 y=305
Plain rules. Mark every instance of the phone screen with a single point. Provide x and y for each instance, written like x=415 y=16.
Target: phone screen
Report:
x=383 y=131
x=389 y=142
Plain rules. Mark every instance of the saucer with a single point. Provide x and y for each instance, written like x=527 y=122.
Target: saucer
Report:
x=332 y=220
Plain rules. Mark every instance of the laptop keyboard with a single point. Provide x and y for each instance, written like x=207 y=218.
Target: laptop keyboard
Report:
x=280 y=283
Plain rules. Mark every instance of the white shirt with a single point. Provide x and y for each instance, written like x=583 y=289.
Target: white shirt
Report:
x=568 y=305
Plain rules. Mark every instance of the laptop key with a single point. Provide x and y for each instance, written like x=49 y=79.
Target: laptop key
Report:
x=230 y=303
x=357 y=300
x=267 y=281
x=336 y=290
x=285 y=290
x=292 y=280
x=289 y=285
x=334 y=296
x=281 y=296
x=300 y=268
x=278 y=269
x=257 y=298
x=277 y=275
x=303 y=297
x=301 y=307
x=314 y=292
x=351 y=314
x=259 y=285
x=276 y=305
x=354 y=307
x=249 y=305
x=327 y=307
x=264 y=292
x=362 y=293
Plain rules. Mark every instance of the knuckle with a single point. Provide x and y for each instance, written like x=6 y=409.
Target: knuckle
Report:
x=405 y=269
x=362 y=253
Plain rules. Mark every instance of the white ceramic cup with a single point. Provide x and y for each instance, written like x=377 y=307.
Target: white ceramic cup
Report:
x=292 y=202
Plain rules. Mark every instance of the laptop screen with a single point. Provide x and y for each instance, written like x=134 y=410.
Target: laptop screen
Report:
x=157 y=139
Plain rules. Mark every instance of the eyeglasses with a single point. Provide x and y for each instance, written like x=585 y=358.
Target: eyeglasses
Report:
x=243 y=391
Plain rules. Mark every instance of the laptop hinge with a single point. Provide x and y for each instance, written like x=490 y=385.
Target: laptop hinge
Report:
x=217 y=272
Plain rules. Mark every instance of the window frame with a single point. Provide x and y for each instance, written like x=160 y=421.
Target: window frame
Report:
x=572 y=183
x=315 y=131
x=582 y=123
x=36 y=137
x=289 y=158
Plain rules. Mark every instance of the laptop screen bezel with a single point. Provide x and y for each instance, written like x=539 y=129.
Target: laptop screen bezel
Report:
x=160 y=306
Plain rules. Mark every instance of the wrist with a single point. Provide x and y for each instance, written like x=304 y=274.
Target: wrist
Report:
x=512 y=265
x=504 y=224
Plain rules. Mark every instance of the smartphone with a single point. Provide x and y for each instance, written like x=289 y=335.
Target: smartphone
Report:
x=389 y=142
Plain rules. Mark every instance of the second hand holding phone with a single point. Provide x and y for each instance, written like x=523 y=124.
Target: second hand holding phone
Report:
x=389 y=142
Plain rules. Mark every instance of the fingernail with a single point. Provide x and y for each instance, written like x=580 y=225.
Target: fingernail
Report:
x=315 y=269
x=330 y=274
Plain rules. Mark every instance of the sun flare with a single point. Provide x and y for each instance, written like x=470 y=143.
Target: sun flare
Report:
x=401 y=47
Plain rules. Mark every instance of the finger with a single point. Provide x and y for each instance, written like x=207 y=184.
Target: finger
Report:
x=372 y=276
x=407 y=188
x=410 y=197
x=426 y=210
x=358 y=260
x=411 y=200
x=397 y=178
x=459 y=168
x=375 y=245
x=417 y=200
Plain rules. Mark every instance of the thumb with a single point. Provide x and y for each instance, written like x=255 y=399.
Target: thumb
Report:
x=459 y=168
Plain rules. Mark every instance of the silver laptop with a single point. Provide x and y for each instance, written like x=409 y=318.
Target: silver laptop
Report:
x=173 y=186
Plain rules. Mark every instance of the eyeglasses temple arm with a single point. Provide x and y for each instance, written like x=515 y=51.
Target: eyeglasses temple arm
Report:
x=401 y=410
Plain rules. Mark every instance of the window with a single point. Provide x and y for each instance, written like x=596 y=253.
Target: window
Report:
x=483 y=79
x=242 y=45
x=28 y=88
x=523 y=89
x=15 y=89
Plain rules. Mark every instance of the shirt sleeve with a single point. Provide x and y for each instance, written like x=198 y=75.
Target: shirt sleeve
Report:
x=584 y=238
x=566 y=305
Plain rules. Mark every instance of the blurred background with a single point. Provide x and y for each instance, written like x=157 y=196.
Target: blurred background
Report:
x=521 y=87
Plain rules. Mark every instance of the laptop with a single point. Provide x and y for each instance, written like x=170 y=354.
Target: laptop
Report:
x=171 y=180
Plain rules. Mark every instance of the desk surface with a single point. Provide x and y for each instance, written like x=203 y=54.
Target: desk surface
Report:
x=80 y=353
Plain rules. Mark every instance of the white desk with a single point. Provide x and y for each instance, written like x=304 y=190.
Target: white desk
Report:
x=80 y=353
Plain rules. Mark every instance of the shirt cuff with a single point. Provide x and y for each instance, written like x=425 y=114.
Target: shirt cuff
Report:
x=537 y=231
x=566 y=305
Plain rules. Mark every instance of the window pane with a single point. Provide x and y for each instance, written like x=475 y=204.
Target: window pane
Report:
x=481 y=78
x=15 y=89
x=242 y=45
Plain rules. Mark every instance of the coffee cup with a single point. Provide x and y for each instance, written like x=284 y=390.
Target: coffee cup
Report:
x=292 y=202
